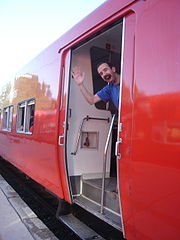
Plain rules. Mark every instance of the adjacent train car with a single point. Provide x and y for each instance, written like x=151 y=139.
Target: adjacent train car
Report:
x=123 y=168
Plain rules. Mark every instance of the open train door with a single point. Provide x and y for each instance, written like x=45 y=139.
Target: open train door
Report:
x=124 y=139
x=92 y=129
x=84 y=130
x=87 y=132
x=63 y=124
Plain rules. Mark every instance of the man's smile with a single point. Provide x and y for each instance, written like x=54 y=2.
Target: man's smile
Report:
x=107 y=77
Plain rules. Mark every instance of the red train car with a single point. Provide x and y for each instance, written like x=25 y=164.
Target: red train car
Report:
x=50 y=133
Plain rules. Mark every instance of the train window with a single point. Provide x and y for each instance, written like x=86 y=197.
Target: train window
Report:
x=7 y=118
x=25 y=116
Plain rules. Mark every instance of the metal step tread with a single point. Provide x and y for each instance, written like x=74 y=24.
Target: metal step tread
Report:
x=110 y=183
x=110 y=217
x=92 y=189
x=79 y=228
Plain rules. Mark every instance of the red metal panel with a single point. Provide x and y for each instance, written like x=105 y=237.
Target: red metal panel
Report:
x=36 y=154
x=64 y=79
x=150 y=167
x=126 y=117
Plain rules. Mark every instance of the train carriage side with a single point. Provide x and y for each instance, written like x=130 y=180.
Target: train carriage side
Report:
x=122 y=167
x=29 y=119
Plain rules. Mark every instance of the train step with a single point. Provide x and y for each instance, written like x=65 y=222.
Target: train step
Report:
x=91 y=188
x=109 y=217
x=90 y=200
x=79 y=228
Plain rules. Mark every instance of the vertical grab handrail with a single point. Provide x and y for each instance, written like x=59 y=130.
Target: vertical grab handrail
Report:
x=104 y=164
x=79 y=136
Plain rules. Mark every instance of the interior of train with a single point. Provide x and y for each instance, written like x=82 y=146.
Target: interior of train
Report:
x=91 y=159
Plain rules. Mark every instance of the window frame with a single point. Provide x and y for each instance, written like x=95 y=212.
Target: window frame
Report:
x=7 y=127
x=24 y=116
x=0 y=118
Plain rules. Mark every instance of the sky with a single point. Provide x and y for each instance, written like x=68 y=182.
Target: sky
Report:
x=29 y=26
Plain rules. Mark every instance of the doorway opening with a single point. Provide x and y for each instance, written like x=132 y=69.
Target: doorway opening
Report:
x=92 y=130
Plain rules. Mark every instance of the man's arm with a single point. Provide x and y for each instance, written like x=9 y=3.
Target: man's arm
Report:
x=91 y=99
x=79 y=79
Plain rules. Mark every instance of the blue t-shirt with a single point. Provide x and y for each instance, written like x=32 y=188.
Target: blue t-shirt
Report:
x=110 y=91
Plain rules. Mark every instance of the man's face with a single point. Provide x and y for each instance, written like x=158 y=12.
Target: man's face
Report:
x=107 y=73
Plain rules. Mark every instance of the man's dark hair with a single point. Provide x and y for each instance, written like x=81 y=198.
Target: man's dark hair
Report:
x=108 y=63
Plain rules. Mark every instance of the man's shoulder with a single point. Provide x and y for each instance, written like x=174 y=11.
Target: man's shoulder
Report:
x=106 y=87
x=112 y=86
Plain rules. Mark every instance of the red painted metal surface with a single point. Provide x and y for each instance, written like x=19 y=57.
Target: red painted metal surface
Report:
x=65 y=60
x=36 y=154
x=149 y=167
